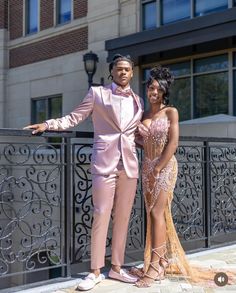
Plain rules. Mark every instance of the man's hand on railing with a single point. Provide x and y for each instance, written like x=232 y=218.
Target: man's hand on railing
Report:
x=41 y=127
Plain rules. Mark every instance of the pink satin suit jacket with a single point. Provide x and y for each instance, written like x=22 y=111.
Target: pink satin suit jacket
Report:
x=111 y=141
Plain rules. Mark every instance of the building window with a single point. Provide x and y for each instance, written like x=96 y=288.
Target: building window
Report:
x=46 y=108
x=63 y=11
x=144 y=87
x=149 y=15
x=162 y=12
x=180 y=94
x=203 y=7
x=201 y=86
x=31 y=14
x=211 y=86
x=175 y=10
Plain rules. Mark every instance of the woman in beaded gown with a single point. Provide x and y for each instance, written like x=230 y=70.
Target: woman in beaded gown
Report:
x=159 y=131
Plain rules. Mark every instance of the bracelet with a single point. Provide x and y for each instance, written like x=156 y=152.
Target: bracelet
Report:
x=46 y=124
x=155 y=176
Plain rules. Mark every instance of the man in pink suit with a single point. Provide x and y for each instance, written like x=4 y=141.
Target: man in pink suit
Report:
x=116 y=111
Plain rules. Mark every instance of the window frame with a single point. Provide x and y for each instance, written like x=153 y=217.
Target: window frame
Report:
x=44 y=98
x=207 y=72
x=159 y=17
x=56 y=13
x=26 y=18
x=194 y=9
x=195 y=88
x=177 y=20
x=231 y=70
x=158 y=14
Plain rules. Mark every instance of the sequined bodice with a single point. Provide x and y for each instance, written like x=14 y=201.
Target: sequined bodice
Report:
x=155 y=137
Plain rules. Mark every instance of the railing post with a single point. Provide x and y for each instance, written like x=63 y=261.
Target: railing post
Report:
x=67 y=199
x=207 y=193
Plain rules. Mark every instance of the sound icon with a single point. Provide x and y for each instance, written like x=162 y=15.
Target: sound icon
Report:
x=221 y=279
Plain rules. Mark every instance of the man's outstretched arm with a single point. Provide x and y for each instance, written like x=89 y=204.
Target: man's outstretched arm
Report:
x=79 y=114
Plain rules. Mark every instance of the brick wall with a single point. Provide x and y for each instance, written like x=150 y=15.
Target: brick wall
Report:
x=63 y=44
x=46 y=14
x=80 y=8
x=3 y=13
x=16 y=18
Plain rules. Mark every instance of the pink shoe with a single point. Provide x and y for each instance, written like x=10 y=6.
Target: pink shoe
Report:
x=89 y=282
x=122 y=276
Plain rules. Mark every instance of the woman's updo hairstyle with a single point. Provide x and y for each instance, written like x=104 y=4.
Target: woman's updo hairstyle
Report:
x=117 y=58
x=164 y=78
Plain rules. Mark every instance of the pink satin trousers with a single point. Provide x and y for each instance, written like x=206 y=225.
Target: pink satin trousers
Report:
x=112 y=194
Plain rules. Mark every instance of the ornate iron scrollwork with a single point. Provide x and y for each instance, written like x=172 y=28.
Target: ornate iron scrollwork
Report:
x=30 y=204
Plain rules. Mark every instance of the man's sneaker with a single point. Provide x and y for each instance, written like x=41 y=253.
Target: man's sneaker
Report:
x=122 y=276
x=89 y=282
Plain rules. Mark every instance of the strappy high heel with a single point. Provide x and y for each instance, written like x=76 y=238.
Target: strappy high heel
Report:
x=142 y=283
x=164 y=261
x=137 y=272
x=158 y=266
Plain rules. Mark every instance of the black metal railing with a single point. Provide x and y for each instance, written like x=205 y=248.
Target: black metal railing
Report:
x=46 y=206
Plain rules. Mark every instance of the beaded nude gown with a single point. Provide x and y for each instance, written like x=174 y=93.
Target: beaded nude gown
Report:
x=155 y=138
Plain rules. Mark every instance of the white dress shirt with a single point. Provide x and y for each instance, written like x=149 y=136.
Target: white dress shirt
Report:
x=125 y=106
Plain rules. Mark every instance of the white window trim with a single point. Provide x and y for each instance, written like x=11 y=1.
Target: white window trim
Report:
x=39 y=13
x=72 y=10
x=230 y=3
x=24 y=18
x=55 y=13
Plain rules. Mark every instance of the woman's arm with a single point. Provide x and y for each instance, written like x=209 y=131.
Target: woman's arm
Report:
x=138 y=139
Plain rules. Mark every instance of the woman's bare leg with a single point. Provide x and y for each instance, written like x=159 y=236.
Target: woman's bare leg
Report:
x=158 y=229
x=158 y=220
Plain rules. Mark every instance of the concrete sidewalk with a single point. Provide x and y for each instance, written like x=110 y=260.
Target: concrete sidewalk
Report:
x=222 y=259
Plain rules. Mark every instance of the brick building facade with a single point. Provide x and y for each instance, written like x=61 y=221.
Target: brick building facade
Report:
x=40 y=57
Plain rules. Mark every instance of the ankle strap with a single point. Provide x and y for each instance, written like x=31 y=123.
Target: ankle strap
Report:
x=157 y=249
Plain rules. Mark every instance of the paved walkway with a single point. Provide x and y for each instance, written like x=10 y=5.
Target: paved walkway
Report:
x=222 y=259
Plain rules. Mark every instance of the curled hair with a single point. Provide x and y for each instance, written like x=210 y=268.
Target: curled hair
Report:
x=117 y=58
x=164 y=78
